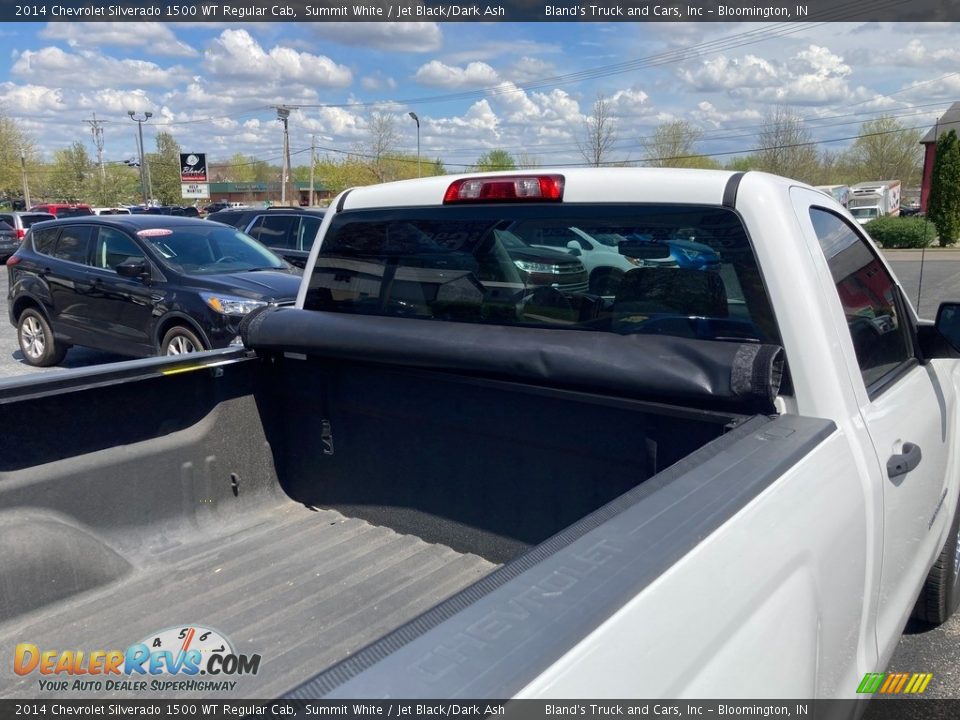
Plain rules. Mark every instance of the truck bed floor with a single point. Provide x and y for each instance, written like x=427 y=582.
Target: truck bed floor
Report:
x=302 y=588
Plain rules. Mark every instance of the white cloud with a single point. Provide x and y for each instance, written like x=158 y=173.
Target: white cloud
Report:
x=117 y=102
x=557 y=107
x=821 y=63
x=236 y=55
x=342 y=122
x=811 y=76
x=530 y=68
x=516 y=104
x=31 y=99
x=156 y=37
x=923 y=91
x=630 y=103
x=478 y=127
x=398 y=36
x=918 y=54
x=87 y=68
x=707 y=114
x=437 y=74
x=723 y=73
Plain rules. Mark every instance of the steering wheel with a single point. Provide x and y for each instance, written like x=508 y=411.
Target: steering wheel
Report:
x=225 y=258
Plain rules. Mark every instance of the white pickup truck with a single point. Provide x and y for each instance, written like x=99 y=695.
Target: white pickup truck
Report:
x=430 y=480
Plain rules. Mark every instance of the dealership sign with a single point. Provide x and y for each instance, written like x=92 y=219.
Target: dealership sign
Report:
x=193 y=175
x=195 y=190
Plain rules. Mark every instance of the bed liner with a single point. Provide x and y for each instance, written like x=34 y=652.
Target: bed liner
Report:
x=303 y=588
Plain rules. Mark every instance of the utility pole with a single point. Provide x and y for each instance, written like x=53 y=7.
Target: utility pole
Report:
x=283 y=115
x=416 y=119
x=313 y=162
x=143 y=175
x=97 y=130
x=26 y=186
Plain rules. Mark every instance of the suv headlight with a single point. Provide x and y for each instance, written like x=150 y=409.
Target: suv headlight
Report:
x=532 y=267
x=231 y=304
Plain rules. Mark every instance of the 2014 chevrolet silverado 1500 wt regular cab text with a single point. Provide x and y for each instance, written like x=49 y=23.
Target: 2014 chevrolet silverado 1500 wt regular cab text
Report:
x=436 y=477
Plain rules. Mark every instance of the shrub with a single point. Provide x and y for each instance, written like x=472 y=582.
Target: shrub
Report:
x=944 y=209
x=901 y=232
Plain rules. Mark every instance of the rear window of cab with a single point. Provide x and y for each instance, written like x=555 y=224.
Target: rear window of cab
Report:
x=688 y=271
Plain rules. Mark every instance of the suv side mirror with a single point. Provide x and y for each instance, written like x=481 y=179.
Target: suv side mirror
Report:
x=574 y=247
x=133 y=267
x=948 y=322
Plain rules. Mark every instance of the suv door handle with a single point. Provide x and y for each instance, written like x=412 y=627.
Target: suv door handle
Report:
x=904 y=462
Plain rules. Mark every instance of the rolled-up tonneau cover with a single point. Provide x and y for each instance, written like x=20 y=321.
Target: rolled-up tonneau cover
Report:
x=703 y=373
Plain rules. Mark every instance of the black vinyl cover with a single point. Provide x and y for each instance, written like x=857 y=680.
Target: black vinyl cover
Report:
x=744 y=377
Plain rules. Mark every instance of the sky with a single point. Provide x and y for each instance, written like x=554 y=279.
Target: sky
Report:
x=526 y=88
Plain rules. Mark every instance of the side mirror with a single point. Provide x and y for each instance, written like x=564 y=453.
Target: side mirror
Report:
x=948 y=323
x=574 y=247
x=133 y=268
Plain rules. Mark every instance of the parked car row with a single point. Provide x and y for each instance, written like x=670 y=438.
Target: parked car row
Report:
x=148 y=282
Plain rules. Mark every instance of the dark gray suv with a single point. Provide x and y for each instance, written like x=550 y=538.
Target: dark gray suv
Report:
x=287 y=231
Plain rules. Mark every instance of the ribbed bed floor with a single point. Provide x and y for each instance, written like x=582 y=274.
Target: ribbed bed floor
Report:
x=303 y=589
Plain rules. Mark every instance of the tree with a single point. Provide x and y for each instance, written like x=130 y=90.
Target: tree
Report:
x=436 y=168
x=381 y=143
x=119 y=185
x=341 y=173
x=240 y=169
x=12 y=140
x=944 y=206
x=885 y=150
x=495 y=160
x=742 y=163
x=671 y=145
x=164 y=169
x=599 y=134
x=786 y=146
x=71 y=174
x=528 y=161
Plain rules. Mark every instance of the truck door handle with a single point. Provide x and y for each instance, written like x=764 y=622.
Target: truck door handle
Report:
x=904 y=462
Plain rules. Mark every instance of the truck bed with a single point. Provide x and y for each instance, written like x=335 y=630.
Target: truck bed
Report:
x=302 y=588
x=309 y=505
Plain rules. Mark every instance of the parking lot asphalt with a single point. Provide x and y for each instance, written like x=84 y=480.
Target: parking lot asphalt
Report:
x=921 y=648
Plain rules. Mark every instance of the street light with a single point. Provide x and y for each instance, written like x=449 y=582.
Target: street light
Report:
x=417 y=120
x=143 y=176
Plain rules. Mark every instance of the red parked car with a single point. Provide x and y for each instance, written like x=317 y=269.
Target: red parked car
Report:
x=62 y=210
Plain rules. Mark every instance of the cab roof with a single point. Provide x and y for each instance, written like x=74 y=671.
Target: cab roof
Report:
x=581 y=185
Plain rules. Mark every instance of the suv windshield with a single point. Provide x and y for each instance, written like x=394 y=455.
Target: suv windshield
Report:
x=209 y=249
x=455 y=264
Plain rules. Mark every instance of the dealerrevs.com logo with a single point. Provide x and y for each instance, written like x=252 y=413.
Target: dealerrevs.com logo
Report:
x=170 y=660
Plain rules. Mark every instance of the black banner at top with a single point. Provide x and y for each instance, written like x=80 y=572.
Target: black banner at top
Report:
x=483 y=11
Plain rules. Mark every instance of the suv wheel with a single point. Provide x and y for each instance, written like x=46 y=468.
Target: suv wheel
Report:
x=179 y=341
x=37 y=343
